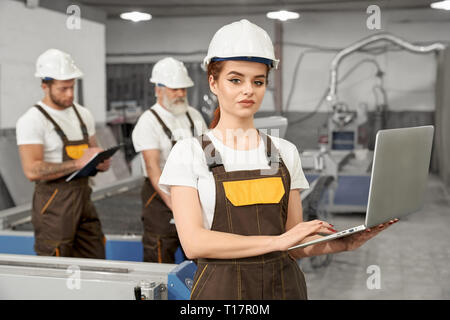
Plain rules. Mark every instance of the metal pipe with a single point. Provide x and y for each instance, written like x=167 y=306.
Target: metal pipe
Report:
x=332 y=96
x=61 y=266
x=278 y=94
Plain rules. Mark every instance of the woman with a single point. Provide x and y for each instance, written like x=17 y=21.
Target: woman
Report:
x=235 y=191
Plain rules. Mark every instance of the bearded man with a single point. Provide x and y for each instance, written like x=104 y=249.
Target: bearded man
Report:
x=55 y=138
x=154 y=135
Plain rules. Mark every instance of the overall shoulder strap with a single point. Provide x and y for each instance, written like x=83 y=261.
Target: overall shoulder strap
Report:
x=192 y=124
x=82 y=125
x=163 y=125
x=213 y=158
x=272 y=153
x=58 y=129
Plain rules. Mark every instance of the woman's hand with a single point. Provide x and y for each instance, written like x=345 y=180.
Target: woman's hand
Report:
x=300 y=231
x=356 y=240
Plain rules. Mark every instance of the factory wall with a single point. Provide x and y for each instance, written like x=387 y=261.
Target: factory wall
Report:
x=320 y=35
x=186 y=39
x=315 y=38
x=24 y=34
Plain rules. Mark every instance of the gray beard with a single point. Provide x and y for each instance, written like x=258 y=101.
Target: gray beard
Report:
x=176 y=108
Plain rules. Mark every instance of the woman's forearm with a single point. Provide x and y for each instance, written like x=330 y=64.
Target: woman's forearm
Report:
x=222 y=245
x=200 y=242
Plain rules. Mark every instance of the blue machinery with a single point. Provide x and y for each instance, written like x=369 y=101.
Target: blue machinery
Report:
x=181 y=280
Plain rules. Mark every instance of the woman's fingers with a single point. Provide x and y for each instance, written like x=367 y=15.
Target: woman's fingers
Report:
x=382 y=226
x=303 y=230
x=318 y=226
x=354 y=241
x=362 y=237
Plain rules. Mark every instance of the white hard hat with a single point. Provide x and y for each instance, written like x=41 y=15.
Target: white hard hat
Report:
x=56 y=64
x=241 y=40
x=171 y=73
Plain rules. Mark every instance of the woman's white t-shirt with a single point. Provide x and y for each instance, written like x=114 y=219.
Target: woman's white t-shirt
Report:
x=186 y=166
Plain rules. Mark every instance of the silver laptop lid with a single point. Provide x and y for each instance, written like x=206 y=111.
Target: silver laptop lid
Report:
x=399 y=173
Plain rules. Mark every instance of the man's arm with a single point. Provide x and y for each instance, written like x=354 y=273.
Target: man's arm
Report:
x=35 y=168
x=151 y=159
x=93 y=141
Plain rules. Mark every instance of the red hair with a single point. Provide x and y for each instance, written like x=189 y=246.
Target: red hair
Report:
x=214 y=69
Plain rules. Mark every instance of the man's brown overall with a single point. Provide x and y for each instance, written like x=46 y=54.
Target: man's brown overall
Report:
x=64 y=218
x=160 y=239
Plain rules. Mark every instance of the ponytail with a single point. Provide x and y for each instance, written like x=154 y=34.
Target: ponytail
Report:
x=214 y=69
x=216 y=118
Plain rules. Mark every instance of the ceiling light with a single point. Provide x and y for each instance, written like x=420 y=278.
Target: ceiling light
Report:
x=136 y=16
x=282 y=15
x=444 y=5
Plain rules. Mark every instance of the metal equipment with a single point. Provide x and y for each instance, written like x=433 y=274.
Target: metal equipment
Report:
x=273 y=125
x=343 y=125
x=181 y=280
x=343 y=154
x=332 y=95
x=350 y=171
x=58 y=278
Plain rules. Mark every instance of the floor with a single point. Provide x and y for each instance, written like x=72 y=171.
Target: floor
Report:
x=410 y=260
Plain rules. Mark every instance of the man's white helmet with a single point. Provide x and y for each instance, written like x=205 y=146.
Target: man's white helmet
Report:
x=242 y=40
x=56 y=64
x=171 y=73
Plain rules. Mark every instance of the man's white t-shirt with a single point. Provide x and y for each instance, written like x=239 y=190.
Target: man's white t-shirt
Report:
x=186 y=166
x=148 y=134
x=34 y=128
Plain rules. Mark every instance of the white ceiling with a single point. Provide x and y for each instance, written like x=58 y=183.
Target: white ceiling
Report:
x=170 y=8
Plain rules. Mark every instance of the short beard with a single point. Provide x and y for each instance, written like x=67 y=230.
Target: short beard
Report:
x=59 y=102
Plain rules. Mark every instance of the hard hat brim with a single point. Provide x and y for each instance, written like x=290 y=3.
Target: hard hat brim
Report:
x=74 y=75
x=183 y=85
x=273 y=62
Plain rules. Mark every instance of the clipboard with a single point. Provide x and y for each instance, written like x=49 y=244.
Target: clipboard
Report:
x=90 y=168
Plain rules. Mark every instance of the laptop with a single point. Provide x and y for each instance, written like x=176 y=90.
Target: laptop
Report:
x=398 y=179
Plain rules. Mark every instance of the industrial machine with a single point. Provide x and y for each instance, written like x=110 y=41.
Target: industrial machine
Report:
x=344 y=127
x=26 y=277
x=344 y=146
x=344 y=123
